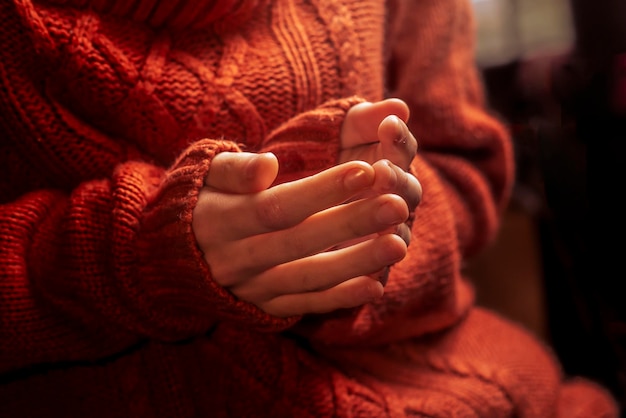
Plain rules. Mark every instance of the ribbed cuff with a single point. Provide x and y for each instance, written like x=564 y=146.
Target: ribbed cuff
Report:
x=176 y=279
x=310 y=142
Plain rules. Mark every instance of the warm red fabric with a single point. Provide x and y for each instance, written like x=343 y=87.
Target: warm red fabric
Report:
x=110 y=115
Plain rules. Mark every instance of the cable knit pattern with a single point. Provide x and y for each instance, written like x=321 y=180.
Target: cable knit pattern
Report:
x=111 y=113
x=171 y=13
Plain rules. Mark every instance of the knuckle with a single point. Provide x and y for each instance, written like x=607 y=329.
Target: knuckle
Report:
x=270 y=211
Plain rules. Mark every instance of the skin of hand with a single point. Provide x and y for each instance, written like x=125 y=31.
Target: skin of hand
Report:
x=377 y=131
x=272 y=241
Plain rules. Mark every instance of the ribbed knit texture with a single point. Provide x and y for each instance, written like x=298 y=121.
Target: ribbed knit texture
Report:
x=171 y=13
x=111 y=112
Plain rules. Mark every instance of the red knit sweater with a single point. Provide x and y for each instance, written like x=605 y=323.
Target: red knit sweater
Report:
x=110 y=114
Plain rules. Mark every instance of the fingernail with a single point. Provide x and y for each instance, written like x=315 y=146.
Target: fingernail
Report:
x=388 y=215
x=401 y=136
x=390 y=181
x=356 y=179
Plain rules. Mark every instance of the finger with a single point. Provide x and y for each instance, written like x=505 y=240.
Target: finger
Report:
x=392 y=179
x=349 y=294
x=363 y=119
x=318 y=233
x=242 y=172
x=382 y=276
x=281 y=206
x=325 y=270
x=404 y=231
x=288 y=204
x=397 y=142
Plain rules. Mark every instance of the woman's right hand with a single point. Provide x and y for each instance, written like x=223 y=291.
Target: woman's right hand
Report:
x=271 y=245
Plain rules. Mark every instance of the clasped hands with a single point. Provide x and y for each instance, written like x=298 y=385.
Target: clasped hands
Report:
x=322 y=242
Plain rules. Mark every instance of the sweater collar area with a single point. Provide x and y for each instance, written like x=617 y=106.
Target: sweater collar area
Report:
x=171 y=13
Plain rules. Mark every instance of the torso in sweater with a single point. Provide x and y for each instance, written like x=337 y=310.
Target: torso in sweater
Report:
x=107 y=78
x=93 y=88
x=99 y=281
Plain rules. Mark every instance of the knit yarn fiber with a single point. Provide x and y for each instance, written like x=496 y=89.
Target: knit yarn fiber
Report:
x=111 y=112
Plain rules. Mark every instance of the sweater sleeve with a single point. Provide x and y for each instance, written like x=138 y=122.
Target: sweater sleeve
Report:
x=309 y=142
x=88 y=272
x=465 y=166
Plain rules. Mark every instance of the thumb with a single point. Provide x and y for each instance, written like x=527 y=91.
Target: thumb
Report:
x=362 y=120
x=397 y=142
x=242 y=172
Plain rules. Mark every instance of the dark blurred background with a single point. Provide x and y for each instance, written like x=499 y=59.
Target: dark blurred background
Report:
x=555 y=72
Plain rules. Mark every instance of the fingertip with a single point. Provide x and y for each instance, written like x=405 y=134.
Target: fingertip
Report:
x=242 y=172
x=359 y=176
x=386 y=176
x=404 y=232
x=261 y=171
x=414 y=197
x=394 y=130
x=398 y=107
x=360 y=107
x=268 y=162
x=392 y=249
x=270 y=156
x=368 y=290
x=390 y=125
x=392 y=211
x=400 y=244
x=376 y=289
x=419 y=188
